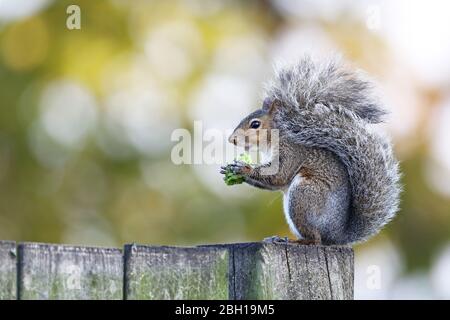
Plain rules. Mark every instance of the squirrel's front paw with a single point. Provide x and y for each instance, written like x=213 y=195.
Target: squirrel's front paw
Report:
x=240 y=167
x=237 y=168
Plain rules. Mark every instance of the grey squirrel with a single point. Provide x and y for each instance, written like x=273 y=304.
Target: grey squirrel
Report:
x=339 y=178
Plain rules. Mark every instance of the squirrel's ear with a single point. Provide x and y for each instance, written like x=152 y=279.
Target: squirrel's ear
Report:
x=271 y=105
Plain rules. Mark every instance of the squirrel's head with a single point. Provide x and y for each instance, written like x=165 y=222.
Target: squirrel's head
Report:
x=255 y=129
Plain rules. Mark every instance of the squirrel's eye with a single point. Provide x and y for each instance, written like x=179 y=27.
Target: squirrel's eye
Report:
x=255 y=124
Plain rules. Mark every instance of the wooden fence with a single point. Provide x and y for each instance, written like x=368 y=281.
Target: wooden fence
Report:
x=229 y=271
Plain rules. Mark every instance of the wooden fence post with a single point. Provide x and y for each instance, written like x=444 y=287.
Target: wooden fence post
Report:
x=176 y=273
x=8 y=273
x=69 y=272
x=292 y=272
x=239 y=271
x=226 y=271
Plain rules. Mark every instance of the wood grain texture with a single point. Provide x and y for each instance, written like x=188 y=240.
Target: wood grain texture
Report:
x=8 y=272
x=69 y=272
x=290 y=271
x=226 y=271
x=176 y=272
x=239 y=271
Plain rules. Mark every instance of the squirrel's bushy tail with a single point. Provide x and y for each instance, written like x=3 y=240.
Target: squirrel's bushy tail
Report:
x=372 y=169
x=328 y=107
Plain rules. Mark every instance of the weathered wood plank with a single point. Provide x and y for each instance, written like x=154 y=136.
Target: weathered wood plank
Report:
x=340 y=263
x=239 y=271
x=8 y=272
x=69 y=272
x=176 y=272
x=230 y=271
x=260 y=271
x=290 y=271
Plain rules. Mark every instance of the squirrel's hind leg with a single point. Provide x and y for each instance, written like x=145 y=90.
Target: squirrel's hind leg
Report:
x=286 y=240
x=303 y=207
x=276 y=239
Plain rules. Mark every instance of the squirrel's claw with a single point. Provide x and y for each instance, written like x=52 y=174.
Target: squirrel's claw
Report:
x=239 y=167
x=224 y=169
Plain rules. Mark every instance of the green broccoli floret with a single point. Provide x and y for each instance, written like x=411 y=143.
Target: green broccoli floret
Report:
x=231 y=178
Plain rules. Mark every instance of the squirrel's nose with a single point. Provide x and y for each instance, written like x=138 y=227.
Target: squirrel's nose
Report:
x=232 y=139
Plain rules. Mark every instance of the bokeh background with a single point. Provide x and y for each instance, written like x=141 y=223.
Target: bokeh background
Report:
x=86 y=117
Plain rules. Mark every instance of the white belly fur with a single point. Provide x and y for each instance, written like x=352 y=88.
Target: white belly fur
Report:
x=291 y=224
